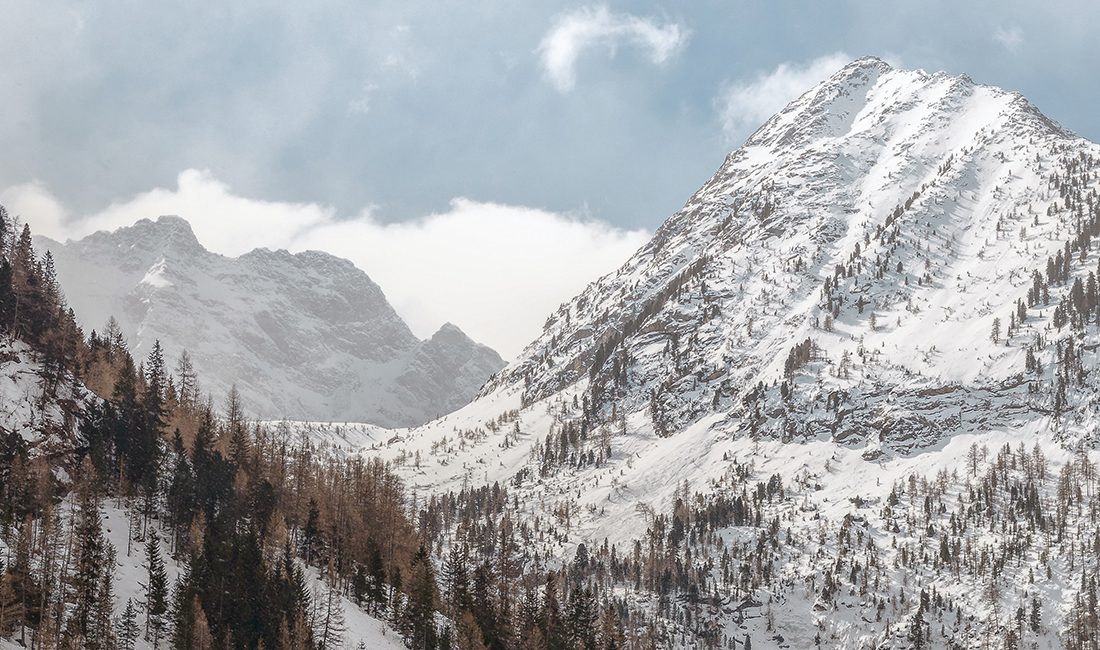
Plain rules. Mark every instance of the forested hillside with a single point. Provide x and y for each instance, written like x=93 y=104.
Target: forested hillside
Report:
x=137 y=512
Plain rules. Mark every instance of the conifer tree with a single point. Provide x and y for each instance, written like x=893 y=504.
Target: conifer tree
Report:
x=329 y=624
x=102 y=633
x=155 y=602
x=85 y=581
x=419 y=614
x=127 y=630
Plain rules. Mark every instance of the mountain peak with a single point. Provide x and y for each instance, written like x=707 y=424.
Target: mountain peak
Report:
x=866 y=64
x=304 y=335
x=171 y=224
x=856 y=203
x=167 y=232
x=449 y=329
x=870 y=98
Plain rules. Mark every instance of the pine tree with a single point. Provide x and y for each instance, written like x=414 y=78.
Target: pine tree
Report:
x=127 y=630
x=85 y=582
x=201 y=637
x=469 y=635
x=239 y=447
x=187 y=383
x=148 y=436
x=612 y=636
x=553 y=624
x=582 y=619
x=25 y=282
x=419 y=614
x=456 y=575
x=156 y=590
x=376 y=576
x=102 y=632
x=329 y=624
x=181 y=491
x=311 y=532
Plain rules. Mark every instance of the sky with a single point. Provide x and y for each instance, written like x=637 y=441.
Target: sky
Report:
x=481 y=161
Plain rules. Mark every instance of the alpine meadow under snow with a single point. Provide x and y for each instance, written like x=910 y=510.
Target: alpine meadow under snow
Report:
x=844 y=398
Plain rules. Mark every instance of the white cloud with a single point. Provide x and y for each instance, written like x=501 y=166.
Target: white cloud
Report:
x=1010 y=37
x=744 y=106
x=494 y=270
x=361 y=104
x=32 y=201
x=574 y=32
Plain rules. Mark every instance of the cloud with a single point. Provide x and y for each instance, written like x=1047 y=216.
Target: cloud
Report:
x=32 y=201
x=495 y=270
x=744 y=106
x=576 y=31
x=1010 y=37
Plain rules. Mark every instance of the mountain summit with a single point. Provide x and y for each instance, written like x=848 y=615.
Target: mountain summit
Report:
x=303 y=336
x=854 y=254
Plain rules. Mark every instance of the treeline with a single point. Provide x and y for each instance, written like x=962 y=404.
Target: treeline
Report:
x=242 y=508
x=251 y=514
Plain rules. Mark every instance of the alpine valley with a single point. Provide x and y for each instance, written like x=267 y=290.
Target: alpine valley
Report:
x=846 y=397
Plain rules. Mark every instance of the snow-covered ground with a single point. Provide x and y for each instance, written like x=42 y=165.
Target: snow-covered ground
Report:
x=889 y=216
x=361 y=629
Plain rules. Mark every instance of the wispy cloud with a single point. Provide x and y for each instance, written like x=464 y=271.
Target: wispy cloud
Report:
x=744 y=105
x=495 y=270
x=576 y=31
x=1010 y=37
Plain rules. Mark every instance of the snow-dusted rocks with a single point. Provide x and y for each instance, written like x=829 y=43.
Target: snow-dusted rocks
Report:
x=886 y=215
x=306 y=335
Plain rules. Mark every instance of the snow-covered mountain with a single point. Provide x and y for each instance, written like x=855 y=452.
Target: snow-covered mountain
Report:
x=896 y=270
x=306 y=335
x=888 y=216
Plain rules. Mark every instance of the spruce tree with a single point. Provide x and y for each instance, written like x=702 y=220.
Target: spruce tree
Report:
x=127 y=631
x=419 y=614
x=156 y=590
x=85 y=581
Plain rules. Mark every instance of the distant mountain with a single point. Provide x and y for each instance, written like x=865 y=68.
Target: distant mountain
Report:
x=302 y=336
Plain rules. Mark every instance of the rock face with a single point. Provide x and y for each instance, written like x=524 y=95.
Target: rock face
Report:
x=303 y=336
x=886 y=216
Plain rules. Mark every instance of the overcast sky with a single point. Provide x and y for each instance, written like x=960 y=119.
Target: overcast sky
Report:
x=499 y=147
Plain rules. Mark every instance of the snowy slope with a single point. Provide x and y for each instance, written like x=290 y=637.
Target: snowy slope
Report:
x=306 y=335
x=889 y=217
x=45 y=426
x=123 y=533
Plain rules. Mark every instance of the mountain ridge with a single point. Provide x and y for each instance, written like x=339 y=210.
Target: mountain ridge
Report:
x=304 y=335
x=750 y=181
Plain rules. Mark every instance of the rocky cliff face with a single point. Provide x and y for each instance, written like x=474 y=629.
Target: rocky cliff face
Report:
x=303 y=336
